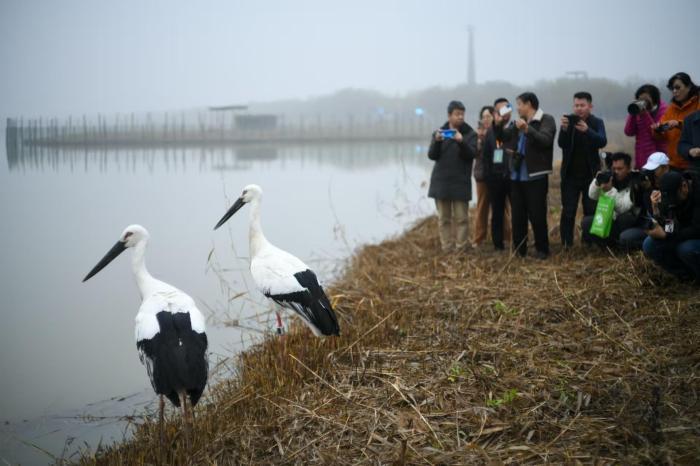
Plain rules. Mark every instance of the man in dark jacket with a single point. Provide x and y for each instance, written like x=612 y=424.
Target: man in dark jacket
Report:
x=689 y=144
x=674 y=237
x=453 y=148
x=531 y=165
x=580 y=137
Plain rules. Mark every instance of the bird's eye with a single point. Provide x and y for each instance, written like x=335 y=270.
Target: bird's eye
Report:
x=127 y=234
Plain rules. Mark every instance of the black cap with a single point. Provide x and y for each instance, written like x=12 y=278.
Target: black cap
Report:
x=669 y=184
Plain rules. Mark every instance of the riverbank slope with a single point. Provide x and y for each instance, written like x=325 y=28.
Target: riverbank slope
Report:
x=480 y=358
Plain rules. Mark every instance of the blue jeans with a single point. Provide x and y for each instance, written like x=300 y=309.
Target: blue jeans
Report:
x=632 y=239
x=681 y=259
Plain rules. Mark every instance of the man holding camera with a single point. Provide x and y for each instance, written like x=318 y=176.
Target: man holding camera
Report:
x=674 y=231
x=496 y=160
x=658 y=164
x=581 y=136
x=531 y=165
x=618 y=184
x=453 y=148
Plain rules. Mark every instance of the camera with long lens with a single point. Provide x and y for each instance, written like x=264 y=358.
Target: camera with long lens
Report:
x=603 y=177
x=646 y=178
x=668 y=204
x=637 y=107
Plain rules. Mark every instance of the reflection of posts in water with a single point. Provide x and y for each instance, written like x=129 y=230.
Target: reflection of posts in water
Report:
x=11 y=143
x=214 y=156
x=219 y=127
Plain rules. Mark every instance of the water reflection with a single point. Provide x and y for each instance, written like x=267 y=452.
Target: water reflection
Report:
x=356 y=156
x=62 y=207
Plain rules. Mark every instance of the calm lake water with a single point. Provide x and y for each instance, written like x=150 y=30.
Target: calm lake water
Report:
x=68 y=360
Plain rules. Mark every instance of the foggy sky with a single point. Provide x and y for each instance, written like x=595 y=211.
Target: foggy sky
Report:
x=85 y=56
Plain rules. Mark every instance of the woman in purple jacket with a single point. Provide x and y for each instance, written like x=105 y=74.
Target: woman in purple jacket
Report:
x=639 y=125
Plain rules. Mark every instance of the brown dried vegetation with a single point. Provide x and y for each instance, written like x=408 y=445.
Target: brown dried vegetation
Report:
x=587 y=358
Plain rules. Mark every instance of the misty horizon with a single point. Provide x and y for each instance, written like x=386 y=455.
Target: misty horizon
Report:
x=77 y=57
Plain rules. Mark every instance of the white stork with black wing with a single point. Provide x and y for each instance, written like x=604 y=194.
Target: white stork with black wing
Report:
x=170 y=331
x=281 y=276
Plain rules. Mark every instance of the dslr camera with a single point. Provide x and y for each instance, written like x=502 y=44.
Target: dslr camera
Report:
x=637 y=107
x=573 y=119
x=662 y=128
x=668 y=203
x=603 y=177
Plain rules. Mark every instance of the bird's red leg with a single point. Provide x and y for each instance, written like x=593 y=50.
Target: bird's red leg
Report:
x=280 y=326
x=161 y=433
x=183 y=406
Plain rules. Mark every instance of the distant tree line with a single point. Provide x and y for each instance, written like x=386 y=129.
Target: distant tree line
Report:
x=610 y=99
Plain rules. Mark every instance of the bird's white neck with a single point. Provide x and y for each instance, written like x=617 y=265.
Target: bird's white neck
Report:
x=256 y=237
x=146 y=283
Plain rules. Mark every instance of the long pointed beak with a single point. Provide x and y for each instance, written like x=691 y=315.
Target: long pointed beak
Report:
x=234 y=208
x=109 y=257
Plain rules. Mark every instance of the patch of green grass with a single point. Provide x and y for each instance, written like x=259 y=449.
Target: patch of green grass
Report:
x=508 y=397
x=564 y=393
x=503 y=308
x=455 y=372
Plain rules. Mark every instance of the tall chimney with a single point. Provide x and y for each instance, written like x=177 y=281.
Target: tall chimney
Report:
x=471 y=66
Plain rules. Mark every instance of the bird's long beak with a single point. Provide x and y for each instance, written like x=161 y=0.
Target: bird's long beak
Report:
x=117 y=249
x=234 y=208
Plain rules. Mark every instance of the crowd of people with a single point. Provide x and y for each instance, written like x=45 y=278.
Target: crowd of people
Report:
x=652 y=198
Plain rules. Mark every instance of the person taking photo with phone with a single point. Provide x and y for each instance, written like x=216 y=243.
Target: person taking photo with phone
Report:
x=453 y=148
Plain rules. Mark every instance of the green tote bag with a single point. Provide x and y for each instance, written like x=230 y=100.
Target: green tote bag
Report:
x=603 y=218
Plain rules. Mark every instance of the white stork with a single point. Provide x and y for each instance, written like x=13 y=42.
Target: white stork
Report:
x=170 y=334
x=281 y=276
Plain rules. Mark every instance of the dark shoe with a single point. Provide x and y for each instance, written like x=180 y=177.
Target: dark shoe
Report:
x=541 y=255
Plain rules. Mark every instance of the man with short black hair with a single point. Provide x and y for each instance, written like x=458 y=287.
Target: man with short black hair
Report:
x=531 y=164
x=581 y=136
x=674 y=236
x=620 y=187
x=453 y=148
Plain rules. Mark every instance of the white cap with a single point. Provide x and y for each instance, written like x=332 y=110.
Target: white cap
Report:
x=655 y=160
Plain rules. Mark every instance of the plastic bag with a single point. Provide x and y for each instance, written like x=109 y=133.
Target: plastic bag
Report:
x=603 y=218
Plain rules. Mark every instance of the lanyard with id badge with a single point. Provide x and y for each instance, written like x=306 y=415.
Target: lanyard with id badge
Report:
x=498 y=153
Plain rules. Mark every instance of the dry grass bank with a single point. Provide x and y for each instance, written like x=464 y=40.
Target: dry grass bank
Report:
x=479 y=359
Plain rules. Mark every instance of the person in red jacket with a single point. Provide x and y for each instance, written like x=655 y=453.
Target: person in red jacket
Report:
x=640 y=125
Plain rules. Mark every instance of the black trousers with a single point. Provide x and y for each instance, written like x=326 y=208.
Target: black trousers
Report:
x=573 y=189
x=499 y=191
x=621 y=224
x=528 y=201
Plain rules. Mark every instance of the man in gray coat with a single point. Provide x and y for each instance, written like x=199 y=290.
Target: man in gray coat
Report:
x=453 y=148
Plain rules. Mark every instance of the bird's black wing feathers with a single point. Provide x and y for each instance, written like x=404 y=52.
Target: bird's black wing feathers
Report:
x=176 y=357
x=311 y=304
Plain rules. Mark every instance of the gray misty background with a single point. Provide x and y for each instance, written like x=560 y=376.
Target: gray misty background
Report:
x=66 y=348
x=85 y=56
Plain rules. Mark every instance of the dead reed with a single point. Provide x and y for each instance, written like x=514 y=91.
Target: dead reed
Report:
x=588 y=358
